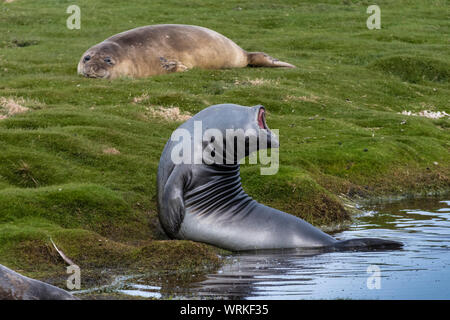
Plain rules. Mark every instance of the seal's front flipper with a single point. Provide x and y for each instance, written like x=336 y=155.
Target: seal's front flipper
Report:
x=173 y=202
x=172 y=65
x=367 y=243
x=261 y=59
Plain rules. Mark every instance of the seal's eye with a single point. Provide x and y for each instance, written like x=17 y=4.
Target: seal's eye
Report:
x=87 y=58
x=108 y=60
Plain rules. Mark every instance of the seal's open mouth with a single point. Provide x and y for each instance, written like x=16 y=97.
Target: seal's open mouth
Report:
x=262 y=119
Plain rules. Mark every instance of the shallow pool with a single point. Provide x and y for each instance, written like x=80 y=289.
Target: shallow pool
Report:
x=419 y=271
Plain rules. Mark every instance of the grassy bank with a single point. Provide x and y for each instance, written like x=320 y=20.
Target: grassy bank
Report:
x=79 y=163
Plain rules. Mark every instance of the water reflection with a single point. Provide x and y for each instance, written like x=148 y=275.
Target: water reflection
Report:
x=419 y=271
x=143 y=291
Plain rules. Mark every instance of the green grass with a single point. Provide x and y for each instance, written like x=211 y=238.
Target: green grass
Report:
x=338 y=116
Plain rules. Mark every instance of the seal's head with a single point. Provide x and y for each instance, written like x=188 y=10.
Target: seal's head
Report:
x=233 y=131
x=100 y=61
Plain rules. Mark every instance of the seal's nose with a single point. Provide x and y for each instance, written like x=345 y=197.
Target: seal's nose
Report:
x=92 y=70
x=89 y=70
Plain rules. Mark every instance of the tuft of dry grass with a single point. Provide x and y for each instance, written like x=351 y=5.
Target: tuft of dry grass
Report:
x=141 y=98
x=25 y=171
x=169 y=114
x=11 y=106
x=426 y=113
x=256 y=82
x=311 y=98
x=111 y=151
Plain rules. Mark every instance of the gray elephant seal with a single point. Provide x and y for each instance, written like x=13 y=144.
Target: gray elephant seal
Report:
x=165 y=48
x=205 y=202
x=14 y=286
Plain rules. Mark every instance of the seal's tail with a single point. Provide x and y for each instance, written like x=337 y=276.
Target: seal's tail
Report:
x=260 y=59
x=367 y=243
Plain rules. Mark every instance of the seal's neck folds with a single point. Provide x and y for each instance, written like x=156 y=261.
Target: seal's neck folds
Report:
x=218 y=188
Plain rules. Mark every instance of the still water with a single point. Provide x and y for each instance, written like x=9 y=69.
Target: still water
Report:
x=421 y=270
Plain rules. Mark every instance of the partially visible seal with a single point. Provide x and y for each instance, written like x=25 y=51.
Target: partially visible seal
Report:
x=14 y=286
x=165 y=48
x=205 y=202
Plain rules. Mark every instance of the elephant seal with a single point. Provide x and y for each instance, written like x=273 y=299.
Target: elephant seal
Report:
x=204 y=200
x=165 y=48
x=14 y=286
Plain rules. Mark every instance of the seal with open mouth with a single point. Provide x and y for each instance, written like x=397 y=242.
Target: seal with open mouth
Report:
x=204 y=200
x=165 y=48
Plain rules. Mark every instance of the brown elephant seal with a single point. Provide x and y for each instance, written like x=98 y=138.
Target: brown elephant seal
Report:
x=14 y=286
x=165 y=48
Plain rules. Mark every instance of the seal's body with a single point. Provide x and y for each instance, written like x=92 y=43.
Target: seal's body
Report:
x=14 y=286
x=159 y=49
x=205 y=202
x=219 y=212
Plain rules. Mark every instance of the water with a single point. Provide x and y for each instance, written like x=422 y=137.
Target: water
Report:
x=419 y=271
